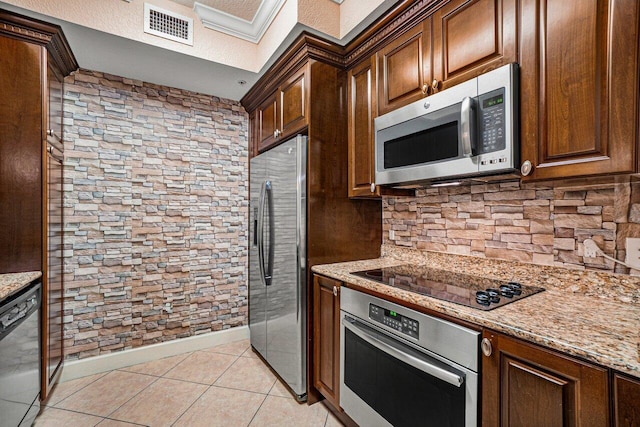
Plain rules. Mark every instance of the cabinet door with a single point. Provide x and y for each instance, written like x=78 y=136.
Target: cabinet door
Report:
x=527 y=385
x=326 y=338
x=362 y=110
x=579 y=86
x=404 y=68
x=53 y=328
x=267 y=123
x=55 y=115
x=471 y=37
x=53 y=335
x=21 y=138
x=626 y=401
x=293 y=108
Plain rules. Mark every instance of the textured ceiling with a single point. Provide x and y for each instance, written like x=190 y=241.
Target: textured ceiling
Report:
x=243 y=9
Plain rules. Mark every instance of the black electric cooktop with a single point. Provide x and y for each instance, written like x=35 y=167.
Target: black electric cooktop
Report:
x=460 y=288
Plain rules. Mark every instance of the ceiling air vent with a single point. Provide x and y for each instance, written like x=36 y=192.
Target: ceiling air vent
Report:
x=169 y=25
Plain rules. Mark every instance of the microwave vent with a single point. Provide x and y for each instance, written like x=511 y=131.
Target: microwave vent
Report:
x=168 y=25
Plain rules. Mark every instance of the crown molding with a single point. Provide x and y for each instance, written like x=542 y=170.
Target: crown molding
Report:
x=41 y=33
x=247 y=30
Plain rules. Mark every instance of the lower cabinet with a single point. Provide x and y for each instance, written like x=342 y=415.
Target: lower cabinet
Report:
x=527 y=385
x=326 y=338
x=626 y=402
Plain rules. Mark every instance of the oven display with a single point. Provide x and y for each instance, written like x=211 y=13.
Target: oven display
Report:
x=394 y=320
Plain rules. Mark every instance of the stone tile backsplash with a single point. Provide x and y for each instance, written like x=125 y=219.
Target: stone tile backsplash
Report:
x=156 y=184
x=533 y=223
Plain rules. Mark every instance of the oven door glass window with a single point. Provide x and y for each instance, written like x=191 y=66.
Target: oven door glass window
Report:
x=397 y=391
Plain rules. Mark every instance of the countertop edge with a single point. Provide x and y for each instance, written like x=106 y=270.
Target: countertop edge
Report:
x=13 y=283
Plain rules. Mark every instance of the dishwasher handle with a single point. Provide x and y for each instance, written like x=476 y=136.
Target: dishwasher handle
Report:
x=394 y=350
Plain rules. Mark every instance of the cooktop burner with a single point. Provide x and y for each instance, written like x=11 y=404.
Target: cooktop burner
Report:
x=460 y=288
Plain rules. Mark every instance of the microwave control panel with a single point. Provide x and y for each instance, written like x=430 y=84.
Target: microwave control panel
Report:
x=394 y=320
x=492 y=126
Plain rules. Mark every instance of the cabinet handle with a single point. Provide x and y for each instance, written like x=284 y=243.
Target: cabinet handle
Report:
x=526 y=168
x=435 y=84
x=335 y=291
x=373 y=187
x=486 y=347
x=425 y=89
x=53 y=154
x=51 y=132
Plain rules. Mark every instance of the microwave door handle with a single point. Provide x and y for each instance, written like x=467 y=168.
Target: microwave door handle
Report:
x=391 y=349
x=467 y=126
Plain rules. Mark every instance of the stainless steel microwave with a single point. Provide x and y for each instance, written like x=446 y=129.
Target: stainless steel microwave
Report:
x=468 y=130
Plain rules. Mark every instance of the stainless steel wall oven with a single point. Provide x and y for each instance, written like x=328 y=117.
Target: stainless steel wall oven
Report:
x=399 y=367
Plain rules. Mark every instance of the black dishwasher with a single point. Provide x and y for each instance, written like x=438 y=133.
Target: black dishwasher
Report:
x=20 y=358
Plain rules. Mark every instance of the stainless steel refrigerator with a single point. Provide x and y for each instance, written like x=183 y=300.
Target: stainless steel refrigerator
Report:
x=277 y=258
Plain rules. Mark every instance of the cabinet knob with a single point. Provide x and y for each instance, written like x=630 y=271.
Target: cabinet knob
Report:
x=335 y=291
x=425 y=89
x=526 y=168
x=435 y=84
x=486 y=347
x=50 y=132
x=373 y=187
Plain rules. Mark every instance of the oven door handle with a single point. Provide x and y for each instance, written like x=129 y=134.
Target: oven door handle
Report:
x=436 y=371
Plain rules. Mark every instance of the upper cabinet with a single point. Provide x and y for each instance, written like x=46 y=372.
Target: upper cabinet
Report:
x=471 y=37
x=461 y=40
x=285 y=112
x=405 y=68
x=362 y=110
x=579 y=87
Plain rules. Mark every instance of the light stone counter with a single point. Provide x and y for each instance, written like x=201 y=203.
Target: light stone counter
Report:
x=592 y=315
x=12 y=283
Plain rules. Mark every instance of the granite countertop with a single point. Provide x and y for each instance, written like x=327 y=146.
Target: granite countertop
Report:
x=11 y=283
x=592 y=315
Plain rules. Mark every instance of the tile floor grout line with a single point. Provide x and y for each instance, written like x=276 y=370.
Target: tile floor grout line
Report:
x=257 y=410
x=80 y=389
x=192 y=403
x=129 y=422
x=207 y=389
x=128 y=400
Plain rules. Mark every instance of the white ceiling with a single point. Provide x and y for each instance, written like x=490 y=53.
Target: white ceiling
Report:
x=100 y=51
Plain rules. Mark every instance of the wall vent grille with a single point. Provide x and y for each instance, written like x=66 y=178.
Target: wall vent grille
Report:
x=168 y=25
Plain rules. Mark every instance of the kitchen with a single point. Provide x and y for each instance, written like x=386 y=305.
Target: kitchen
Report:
x=159 y=224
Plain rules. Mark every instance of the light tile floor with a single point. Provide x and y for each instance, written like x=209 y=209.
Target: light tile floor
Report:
x=226 y=385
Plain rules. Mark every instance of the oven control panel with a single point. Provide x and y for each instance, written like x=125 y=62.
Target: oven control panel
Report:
x=397 y=321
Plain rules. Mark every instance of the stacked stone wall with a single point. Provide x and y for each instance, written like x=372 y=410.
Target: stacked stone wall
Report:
x=156 y=202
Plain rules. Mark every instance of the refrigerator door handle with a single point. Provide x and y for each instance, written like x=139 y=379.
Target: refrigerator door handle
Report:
x=269 y=198
x=260 y=232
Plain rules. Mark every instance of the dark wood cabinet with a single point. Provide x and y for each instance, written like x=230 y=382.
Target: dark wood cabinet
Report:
x=626 y=401
x=326 y=338
x=53 y=311
x=471 y=37
x=404 y=68
x=284 y=113
x=20 y=155
x=362 y=110
x=527 y=385
x=34 y=58
x=579 y=86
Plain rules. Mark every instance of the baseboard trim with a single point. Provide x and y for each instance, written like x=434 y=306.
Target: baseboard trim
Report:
x=108 y=362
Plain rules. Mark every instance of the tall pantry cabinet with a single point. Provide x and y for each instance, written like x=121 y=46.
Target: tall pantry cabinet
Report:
x=34 y=58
